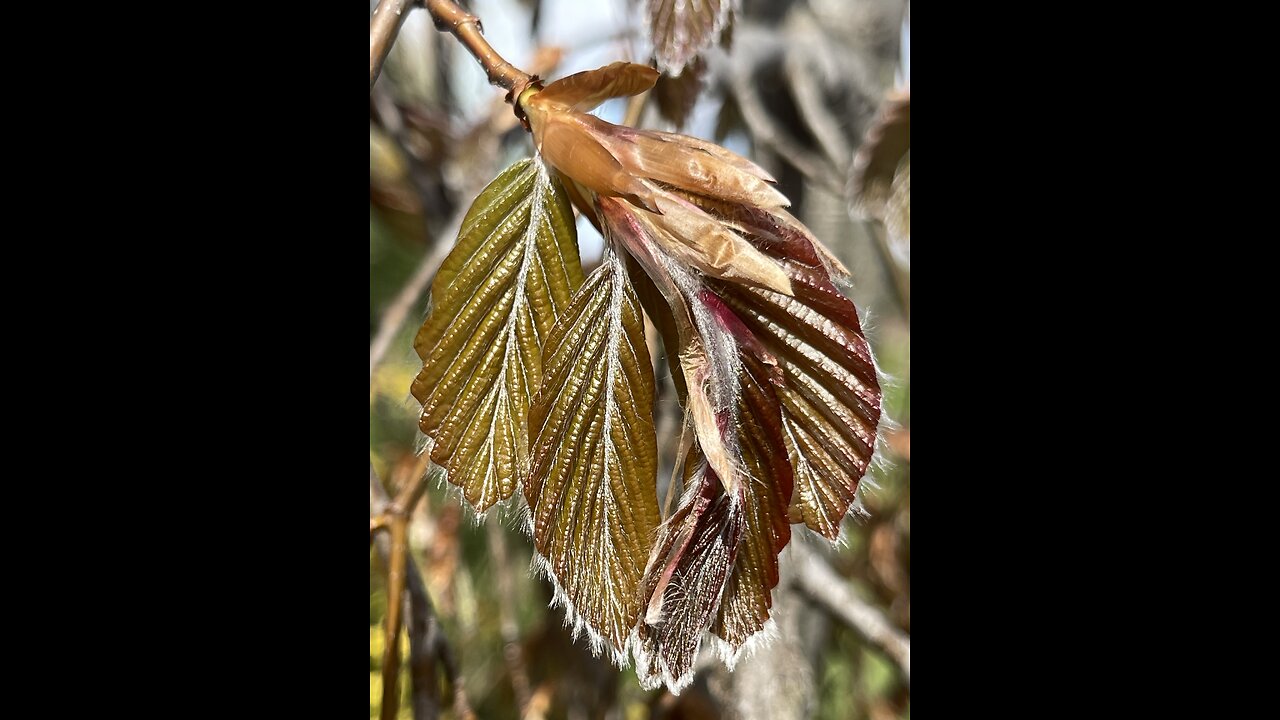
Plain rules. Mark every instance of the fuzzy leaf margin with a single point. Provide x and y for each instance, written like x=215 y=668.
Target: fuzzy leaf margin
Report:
x=592 y=486
x=513 y=270
x=825 y=377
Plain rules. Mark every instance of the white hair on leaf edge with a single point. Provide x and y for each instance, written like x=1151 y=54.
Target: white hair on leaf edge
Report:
x=599 y=644
x=718 y=648
x=652 y=681
x=759 y=640
x=511 y=511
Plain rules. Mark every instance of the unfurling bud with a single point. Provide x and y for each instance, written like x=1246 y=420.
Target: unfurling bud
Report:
x=667 y=179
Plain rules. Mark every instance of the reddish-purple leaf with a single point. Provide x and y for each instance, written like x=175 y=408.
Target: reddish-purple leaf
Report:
x=828 y=389
x=686 y=578
x=764 y=498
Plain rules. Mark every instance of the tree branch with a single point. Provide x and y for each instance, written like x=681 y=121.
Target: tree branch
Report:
x=395 y=609
x=467 y=28
x=383 y=28
x=816 y=579
x=427 y=642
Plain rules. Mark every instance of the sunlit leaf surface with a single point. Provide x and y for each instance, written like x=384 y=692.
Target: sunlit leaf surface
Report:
x=512 y=272
x=825 y=379
x=592 y=486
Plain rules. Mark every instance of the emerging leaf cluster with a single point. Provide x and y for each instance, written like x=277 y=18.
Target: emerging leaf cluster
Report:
x=537 y=379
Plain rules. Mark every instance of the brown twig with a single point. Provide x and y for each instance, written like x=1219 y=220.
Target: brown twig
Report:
x=383 y=28
x=426 y=640
x=395 y=608
x=467 y=28
x=820 y=582
x=395 y=518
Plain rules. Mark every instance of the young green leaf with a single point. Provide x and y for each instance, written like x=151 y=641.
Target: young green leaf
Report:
x=592 y=483
x=512 y=272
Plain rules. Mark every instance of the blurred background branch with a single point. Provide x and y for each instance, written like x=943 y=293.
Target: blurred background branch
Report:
x=427 y=642
x=817 y=580
x=383 y=28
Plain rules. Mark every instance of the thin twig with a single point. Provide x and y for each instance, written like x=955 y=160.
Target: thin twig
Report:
x=427 y=642
x=396 y=313
x=383 y=28
x=396 y=519
x=819 y=581
x=467 y=28
x=395 y=609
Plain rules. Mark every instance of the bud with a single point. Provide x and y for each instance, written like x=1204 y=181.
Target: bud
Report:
x=667 y=180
